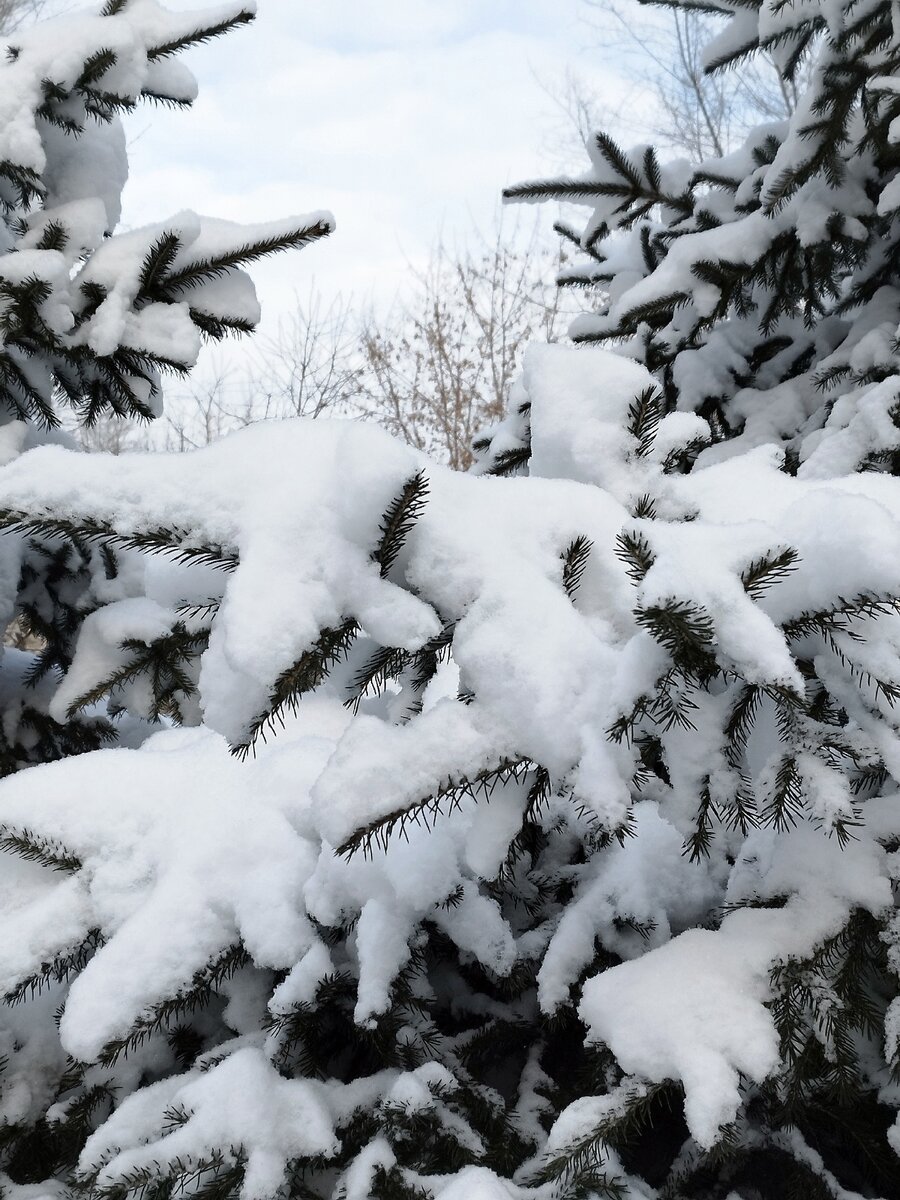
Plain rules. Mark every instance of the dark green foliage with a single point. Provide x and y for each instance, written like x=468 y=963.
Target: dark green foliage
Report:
x=165 y=663
x=54 y=1146
x=446 y=798
x=385 y=664
x=303 y=676
x=575 y=559
x=763 y=572
x=399 y=520
x=644 y=416
x=509 y=1068
x=216 y=1177
x=33 y=848
x=686 y=631
x=199 y=994
x=173 y=542
x=634 y=550
x=50 y=365
x=579 y=1169
x=203 y=33
x=60 y=969
x=511 y=462
x=637 y=185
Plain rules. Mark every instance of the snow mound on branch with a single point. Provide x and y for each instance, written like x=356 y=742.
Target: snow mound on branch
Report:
x=241 y=1102
x=693 y=1009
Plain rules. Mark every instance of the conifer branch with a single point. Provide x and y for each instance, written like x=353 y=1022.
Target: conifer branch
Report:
x=158 y=262
x=33 y=847
x=172 y=542
x=399 y=520
x=385 y=664
x=95 y=66
x=510 y=462
x=445 y=799
x=578 y=1167
x=305 y=675
x=644 y=508
x=686 y=630
x=166 y=101
x=58 y=970
x=204 y=269
x=200 y=35
x=218 y=1176
x=743 y=715
x=644 y=415
x=333 y=644
x=866 y=605
x=633 y=549
x=785 y=804
x=568 y=234
x=425 y=662
x=217 y=328
x=575 y=559
x=199 y=611
x=163 y=661
x=196 y=995
x=767 y=570
x=668 y=707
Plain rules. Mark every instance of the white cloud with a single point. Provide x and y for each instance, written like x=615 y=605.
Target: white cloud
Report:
x=385 y=23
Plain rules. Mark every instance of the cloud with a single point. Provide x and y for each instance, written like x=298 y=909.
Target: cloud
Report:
x=361 y=23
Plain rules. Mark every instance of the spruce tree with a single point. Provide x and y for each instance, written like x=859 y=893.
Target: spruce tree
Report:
x=93 y=318
x=527 y=834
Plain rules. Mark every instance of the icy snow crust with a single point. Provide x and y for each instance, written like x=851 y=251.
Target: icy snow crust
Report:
x=185 y=851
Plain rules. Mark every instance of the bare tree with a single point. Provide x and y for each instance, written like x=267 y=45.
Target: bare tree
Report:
x=114 y=435
x=308 y=367
x=199 y=412
x=14 y=13
x=439 y=367
x=703 y=115
x=311 y=365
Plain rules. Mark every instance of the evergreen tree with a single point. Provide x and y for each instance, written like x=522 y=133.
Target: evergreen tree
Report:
x=530 y=834
x=91 y=318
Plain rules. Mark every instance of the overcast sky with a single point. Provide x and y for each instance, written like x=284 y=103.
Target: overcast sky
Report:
x=404 y=117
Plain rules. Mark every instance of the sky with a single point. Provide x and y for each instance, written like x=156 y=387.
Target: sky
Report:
x=405 y=118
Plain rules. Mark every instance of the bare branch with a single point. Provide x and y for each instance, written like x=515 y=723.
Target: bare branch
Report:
x=703 y=115
x=440 y=366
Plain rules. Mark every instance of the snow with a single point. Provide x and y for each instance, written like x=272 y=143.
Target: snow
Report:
x=242 y=1101
x=57 y=51
x=550 y=676
x=92 y=169
x=648 y=879
x=477 y=1183
x=580 y=414
x=548 y=725
x=163 y=875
